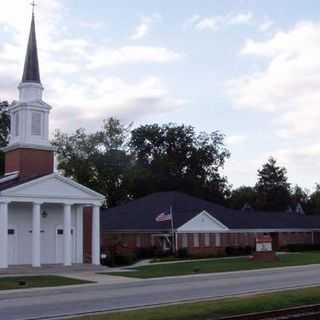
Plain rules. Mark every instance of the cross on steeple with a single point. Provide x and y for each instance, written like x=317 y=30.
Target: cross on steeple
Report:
x=33 y=4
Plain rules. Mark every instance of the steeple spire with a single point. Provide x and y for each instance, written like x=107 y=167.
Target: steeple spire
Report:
x=31 y=71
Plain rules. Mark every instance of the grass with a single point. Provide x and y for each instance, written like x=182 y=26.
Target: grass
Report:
x=220 y=265
x=10 y=283
x=216 y=309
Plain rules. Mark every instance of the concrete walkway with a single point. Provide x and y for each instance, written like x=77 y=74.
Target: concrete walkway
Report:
x=148 y=262
x=51 y=269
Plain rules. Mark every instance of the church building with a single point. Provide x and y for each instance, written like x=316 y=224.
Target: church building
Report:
x=41 y=211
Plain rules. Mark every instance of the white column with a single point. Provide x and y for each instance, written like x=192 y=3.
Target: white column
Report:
x=79 y=233
x=36 y=231
x=67 y=234
x=96 y=235
x=3 y=235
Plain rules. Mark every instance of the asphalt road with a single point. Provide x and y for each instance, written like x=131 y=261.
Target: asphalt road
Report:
x=47 y=304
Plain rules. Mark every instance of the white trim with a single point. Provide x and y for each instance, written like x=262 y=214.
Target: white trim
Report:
x=254 y=230
x=212 y=218
x=7 y=192
x=9 y=177
x=14 y=146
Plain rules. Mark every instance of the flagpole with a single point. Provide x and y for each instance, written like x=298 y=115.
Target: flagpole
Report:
x=172 y=232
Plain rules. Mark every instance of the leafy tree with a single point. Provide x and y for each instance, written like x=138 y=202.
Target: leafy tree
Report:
x=299 y=196
x=99 y=160
x=4 y=131
x=243 y=196
x=273 y=189
x=314 y=201
x=175 y=157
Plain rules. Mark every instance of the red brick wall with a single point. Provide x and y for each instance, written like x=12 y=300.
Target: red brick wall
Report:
x=226 y=240
x=286 y=238
x=128 y=241
x=29 y=162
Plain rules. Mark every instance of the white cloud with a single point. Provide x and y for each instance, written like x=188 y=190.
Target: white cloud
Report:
x=241 y=18
x=76 y=84
x=131 y=54
x=288 y=86
x=144 y=26
x=266 y=25
x=107 y=97
x=214 y=23
x=235 y=140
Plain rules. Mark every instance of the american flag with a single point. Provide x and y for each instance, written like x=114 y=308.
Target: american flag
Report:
x=164 y=217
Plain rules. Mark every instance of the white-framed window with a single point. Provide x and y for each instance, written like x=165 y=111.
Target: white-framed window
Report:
x=36 y=123
x=218 y=239
x=196 y=240
x=207 y=239
x=138 y=241
x=184 y=240
x=235 y=238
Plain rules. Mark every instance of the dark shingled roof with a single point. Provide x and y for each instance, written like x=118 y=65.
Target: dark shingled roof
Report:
x=31 y=71
x=140 y=215
x=16 y=182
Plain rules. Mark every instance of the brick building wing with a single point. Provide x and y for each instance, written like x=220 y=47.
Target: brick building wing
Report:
x=201 y=226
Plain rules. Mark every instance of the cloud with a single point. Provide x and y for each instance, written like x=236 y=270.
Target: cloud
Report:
x=214 y=23
x=73 y=73
x=105 y=57
x=241 y=18
x=144 y=26
x=266 y=25
x=287 y=85
x=235 y=140
x=110 y=96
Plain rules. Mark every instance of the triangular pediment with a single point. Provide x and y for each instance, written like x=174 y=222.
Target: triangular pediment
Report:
x=53 y=186
x=203 y=222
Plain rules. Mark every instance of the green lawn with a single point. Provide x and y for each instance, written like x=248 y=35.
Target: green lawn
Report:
x=219 y=265
x=8 y=283
x=216 y=309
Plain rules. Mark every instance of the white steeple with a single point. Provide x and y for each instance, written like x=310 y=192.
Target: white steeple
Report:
x=30 y=115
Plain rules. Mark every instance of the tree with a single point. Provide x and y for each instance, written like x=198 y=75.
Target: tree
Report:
x=314 y=201
x=273 y=189
x=299 y=197
x=99 y=160
x=243 y=196
x=4 y=131
x=175 y=157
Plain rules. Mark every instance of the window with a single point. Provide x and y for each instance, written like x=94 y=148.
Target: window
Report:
x=207 y=239
x=60 y=232
x=16 y=127
x=36 y=124
x=11 y=232
x=138 y=241
x=184 y=240
x=196 y=240
x=218 y=240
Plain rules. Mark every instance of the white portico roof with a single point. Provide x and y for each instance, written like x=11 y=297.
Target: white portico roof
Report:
x=53 y=188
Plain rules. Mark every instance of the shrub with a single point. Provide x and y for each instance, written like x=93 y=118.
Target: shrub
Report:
x=125 y=259
x=145 y=253
x=183 y=253
x=301 y=247
x=239 y=251
x=120 y=260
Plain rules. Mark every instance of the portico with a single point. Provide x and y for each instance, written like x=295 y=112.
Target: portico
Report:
x=35 y=229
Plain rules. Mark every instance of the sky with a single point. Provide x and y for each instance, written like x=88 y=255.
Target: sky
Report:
x=249 y=68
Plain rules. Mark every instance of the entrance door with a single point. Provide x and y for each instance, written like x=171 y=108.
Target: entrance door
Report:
x=12 y=246
x=60 y=245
